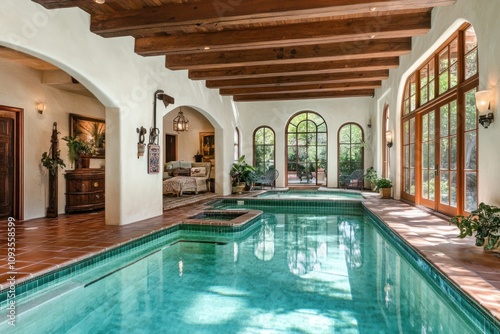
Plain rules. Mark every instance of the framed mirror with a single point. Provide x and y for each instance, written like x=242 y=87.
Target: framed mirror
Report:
x=92 y=130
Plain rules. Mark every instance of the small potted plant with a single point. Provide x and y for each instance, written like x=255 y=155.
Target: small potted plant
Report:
x=79 y=152
x=384 y=186
x=482 y=223
x=240 y=174
x=371 y=177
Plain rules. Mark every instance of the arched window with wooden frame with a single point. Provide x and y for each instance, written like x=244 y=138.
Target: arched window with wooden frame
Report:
x=306 y=149
x=236 y=147
x=350 y=152
x=263 y=149
x=385 y=149
x=439 y=128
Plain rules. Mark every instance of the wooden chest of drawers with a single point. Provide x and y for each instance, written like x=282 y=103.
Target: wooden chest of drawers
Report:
x=84 y=189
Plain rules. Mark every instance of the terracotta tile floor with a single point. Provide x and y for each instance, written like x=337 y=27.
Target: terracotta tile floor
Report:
x=45 y=244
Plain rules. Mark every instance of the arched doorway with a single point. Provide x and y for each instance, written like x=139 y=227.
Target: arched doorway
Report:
x=307 y=149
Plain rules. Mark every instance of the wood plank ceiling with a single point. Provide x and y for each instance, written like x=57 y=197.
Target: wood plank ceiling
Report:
x=262 y=50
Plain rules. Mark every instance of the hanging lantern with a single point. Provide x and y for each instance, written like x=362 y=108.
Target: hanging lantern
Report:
x=180 y=122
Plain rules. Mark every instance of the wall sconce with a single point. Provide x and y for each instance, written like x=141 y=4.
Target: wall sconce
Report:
x=40 y=107
x=388 y=139
x=483 y=104
x=180 y=122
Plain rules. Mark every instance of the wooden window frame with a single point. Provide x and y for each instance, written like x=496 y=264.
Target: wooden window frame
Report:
x=255 y=145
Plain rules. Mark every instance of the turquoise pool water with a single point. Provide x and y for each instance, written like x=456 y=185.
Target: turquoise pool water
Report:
x=289 y=272
x=300 y=194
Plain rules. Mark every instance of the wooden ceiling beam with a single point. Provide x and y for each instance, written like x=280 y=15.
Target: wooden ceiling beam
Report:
x=331 y=31
x=339 y=66
x=300 y=79
x=303 y=88
x=301 y=96
x=290 y=55
x=183 y=15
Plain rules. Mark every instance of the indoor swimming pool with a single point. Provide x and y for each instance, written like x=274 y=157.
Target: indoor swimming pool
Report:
x=311 y=194
x=301 y=270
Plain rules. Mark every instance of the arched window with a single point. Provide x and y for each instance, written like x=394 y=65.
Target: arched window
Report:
x=385 y=150
x=439 y=128
x=236 y=149
x=351 y=150
x=307 y=148
x=263 y=149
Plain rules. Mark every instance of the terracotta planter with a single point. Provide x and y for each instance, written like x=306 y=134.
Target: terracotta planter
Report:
x=385 y=192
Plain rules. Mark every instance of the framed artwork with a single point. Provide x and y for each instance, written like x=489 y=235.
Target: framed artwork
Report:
x=207 y=144
x=92 y=130
x=153 y=159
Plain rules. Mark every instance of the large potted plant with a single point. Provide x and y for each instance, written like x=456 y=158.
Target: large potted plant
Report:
x=384 y=186
x=240 y=173
x=79 y=151
x=482 y=223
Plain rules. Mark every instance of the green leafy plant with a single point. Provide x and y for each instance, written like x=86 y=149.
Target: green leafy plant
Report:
x=371 y=175
x=482 y=223
x=241 y=171
x=52 y=163
x=76 y=147
x=383 y=183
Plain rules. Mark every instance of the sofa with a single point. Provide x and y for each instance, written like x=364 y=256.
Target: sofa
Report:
x=182 y=176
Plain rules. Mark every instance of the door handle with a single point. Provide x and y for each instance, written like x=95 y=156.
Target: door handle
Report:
x=436 y=171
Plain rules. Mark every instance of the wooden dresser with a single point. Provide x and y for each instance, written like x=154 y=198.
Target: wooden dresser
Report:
x=84 y=189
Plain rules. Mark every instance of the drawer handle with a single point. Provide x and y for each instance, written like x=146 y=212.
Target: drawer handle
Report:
x=96 y=184
x=97 y=196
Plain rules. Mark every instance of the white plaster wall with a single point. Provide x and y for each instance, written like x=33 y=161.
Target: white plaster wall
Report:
x=125 y=83
x=188 y=143
x=276 y=115
x=21 y=87
x=483 y=15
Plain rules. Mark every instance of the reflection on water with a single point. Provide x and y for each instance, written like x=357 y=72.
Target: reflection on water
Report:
x=264 y=239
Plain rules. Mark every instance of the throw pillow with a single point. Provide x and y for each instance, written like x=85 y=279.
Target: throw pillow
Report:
x=198 y=171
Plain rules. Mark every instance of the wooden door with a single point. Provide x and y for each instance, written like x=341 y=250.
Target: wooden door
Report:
x=170 y=148
x=7 y=193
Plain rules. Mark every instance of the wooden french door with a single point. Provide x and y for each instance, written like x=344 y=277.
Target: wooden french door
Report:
x=439 y=161
x=170 y=148
x=7 y=186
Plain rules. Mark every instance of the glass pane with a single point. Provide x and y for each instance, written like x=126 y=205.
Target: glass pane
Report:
x=292 y=139
x=431 y=90
x=311 y=138
x=407 y=156
x=412 y=155
x=407 y=181
x=345 y=134
x=291 y=128
x=302 y=127
x=471 y=64
x=412 y=181
x=423 y=95
x=322 y=139
x=356 y=134
x=453 y=189
x=425 y=155
x=269 y=137
x=444 y=149
x=470 y=154
x=432 y=125
x=322 y=128
x=301 y=139
x=413 y=103
x=425 y=184
x=432 y=189
x=406 y=132
x=470 y=39
x=444 y=188
x=470 y=191
x=470 y=111
x=259 y=137
x=443 y=60
x=412 y=130
x=444 y=121
x=425 y=127
x=454 y=75
x=424 y=79
x=432 y=155
x=443 y=82
x=311 y=126
x=453 y=153
x=453 y=117
x=453 y=51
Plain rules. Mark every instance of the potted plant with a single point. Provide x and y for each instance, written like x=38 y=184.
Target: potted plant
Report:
x=80 y=151
x=371 y=177
x=239 y=173
x=483 y=223
x=384 y=186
